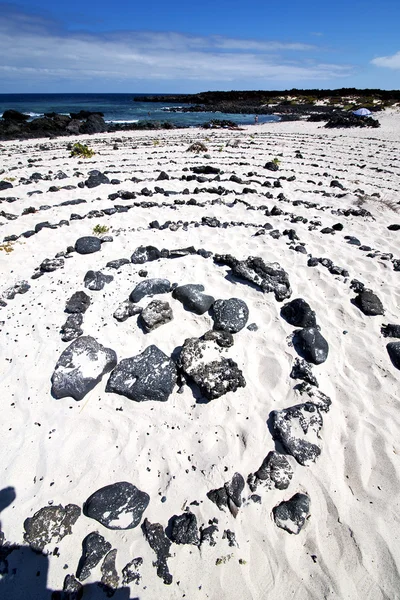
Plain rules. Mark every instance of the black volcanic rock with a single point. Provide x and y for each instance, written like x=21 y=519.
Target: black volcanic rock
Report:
x=144 y=254
x=275 y=472
x=192 y=297
x=230 y=315
x=269 y=277
x=390 y=330
x=369 y=303
x=94 y=548
x=214 y=377
x=150 y=375
x=298 y=312
x=117 y=506
x=93 y=124
x=87 y=245
x=294 y=426
x=230 y=495
x=50 y=523
x=78 y=303
x=150 y=287
x=96 y=280
x=311 y=345
x=292 y=514
x=14 y=115
x=160 y=544
x=80 y=368
x=155 y=314
x=302 y=370
x=72 y=327
x=96 y=178
x=184 y=529
x=393 y=349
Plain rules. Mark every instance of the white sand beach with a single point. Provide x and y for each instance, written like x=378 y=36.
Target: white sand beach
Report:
x=60 y=451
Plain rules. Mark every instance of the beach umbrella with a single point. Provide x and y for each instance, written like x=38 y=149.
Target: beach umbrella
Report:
x=362 y=112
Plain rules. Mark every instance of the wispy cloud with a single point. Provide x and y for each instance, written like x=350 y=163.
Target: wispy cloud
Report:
x=35 y=49
x=391 y=62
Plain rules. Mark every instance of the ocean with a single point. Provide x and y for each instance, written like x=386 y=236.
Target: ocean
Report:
x=117 y=108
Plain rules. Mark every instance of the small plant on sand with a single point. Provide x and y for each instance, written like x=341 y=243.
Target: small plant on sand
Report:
x=10 y=179
x=276 y=161
x=6 y=247
x=100 y=229
x=82 y=151
x=197 y=147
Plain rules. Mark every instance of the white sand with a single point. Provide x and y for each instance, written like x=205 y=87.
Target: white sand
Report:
x=61 y=451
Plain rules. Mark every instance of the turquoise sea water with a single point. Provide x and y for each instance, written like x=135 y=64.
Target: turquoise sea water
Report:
x=116 y=108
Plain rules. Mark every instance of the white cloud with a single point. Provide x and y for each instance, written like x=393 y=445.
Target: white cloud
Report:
x=391 y=62
x=34 y=49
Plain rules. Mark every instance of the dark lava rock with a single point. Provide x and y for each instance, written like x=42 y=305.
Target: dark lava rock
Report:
x=394 y=227
x=214 y=378
x=192 y=297
x=270 y=277
x=353 y=241
x=125 y=310
x=72 y=589
x=87 y=245
x=184 y=530
x=275 y=472
x=368 y=303
x=163 y=176
x=230 y=495
x=109 y=574
x=340 y=120
x=336 y=184
x=117 y=506
x=390 y=330
x=80 y=368
x=207 y=535
x=144 y=254
x=230 y=536
x=130 y=572
x=5 y=185
x=72 y=328
x=21 y=287
x=94 y=547
x=311 y=345
x=224 y=339
x=93 y=124
x=292 y=514
x=51 y=264
x=96 y=280
x=393 y=349
x=96 y=178
x=14 y=115
x=271 y=166
x=230 y=315
x=160 y=544
x=78 y=303
x=116 y=264
x=150 y=375
x=206 y=170
x=155 y=314
x=291 y=423
x=150 y=287
x=298 y=312
x=302 y=370
x=50 y=523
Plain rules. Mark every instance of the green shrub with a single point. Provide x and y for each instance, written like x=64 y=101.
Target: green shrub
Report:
x=82 y=151
x=100 y=229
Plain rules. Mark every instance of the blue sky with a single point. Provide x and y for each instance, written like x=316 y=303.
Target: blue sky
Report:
x=181 y=46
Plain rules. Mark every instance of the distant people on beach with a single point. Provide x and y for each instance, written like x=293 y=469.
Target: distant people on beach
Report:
x=255 y=119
